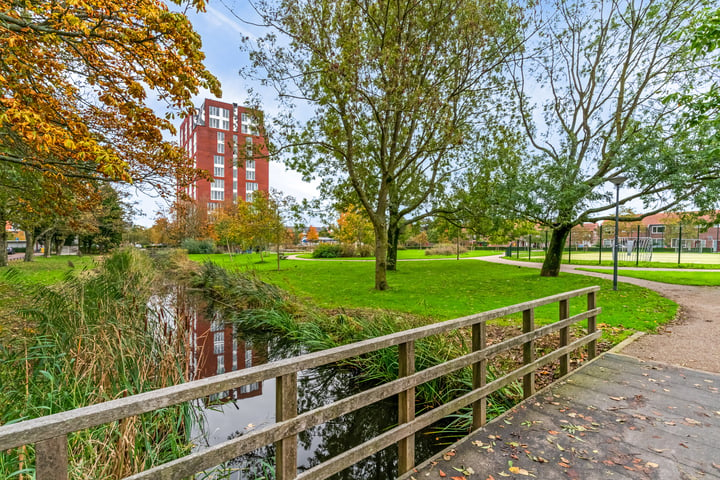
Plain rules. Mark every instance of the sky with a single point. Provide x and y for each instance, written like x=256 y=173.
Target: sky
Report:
x=221 y=32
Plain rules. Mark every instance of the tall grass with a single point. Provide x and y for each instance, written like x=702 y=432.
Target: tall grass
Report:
x=87 y=340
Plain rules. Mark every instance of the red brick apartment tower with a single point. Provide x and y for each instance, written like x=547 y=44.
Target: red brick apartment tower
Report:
x=215 y=349
x=228 y=141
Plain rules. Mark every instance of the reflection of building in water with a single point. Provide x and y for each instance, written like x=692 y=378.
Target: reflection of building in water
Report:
x=215 y=349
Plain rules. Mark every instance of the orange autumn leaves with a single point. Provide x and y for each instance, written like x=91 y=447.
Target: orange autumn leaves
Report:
x=75 y=77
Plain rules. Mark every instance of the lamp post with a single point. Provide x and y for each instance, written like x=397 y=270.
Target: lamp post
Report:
x=617 y=181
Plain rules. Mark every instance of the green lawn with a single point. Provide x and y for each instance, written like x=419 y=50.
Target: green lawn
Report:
x=677 y=278
x=415 y=254
x=451 y=288
x=43 y=270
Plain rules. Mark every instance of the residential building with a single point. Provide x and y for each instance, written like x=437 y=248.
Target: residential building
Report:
x=664 y=229
x=228 y=141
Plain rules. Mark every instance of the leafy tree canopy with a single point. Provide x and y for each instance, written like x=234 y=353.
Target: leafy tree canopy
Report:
x=395 y=88
x=605 y=70
x=74 y=78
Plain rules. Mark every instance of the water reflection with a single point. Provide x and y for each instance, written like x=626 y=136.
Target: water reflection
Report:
x=217 y=347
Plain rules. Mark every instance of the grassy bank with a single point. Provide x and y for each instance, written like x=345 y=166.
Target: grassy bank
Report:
x=82 y=341
x=674 y=277
x=45 y=271
x=440 y=290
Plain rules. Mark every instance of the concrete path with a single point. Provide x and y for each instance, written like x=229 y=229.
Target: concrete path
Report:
x=617 y=417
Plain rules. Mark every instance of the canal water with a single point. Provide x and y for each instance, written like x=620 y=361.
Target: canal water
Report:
x=216 y=347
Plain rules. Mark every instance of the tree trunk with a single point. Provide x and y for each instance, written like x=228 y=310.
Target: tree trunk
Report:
x=3 y=241
x=59 y=244
x=393 y=236
x=48 y=244
x=29 y=245
x=277 y=250
x=381 y=251
x=553 y=258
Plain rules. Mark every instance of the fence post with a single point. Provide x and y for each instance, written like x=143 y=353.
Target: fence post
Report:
x=285 y=409
x=564 y=337
x=406 y=407
x=528 y=353
x=51 y=459
x=479 y=374
x=600 y=249
x=591 y=326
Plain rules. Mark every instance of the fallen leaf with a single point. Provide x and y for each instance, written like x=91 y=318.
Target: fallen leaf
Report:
x=716 y=465
x=692 y=421
x=565 y=465
x=617 y=399
x=442 y=474
x=449 y=454
x=458 y=478
x=651 y=465
x=519 y=471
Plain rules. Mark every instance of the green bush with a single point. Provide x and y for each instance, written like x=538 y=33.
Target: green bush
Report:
x=326 y=250
x=366 y=250
x=198 y=246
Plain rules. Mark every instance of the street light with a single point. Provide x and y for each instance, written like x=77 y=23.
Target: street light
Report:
x=617 y=181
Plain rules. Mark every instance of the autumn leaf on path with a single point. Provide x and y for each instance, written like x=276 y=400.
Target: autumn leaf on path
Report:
x=520 y=471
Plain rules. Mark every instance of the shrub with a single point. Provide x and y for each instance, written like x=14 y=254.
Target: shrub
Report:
x=348 y=250
x=365 y=250
x=444 y=249
x=326 y=250
x=198 y=246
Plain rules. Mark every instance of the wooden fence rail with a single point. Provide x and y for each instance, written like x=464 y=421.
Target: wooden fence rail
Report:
x=50 y=433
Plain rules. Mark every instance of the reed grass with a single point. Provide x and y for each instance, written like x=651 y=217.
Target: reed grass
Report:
x=88 y=339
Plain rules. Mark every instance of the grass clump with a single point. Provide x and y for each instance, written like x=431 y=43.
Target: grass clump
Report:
x=91 y=338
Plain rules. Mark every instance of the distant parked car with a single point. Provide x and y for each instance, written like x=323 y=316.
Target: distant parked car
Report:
x=10 y=250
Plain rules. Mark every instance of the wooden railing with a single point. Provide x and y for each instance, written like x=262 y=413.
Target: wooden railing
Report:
x=49 y=433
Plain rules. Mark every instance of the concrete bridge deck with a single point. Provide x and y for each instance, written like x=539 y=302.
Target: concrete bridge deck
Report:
x=615 y=418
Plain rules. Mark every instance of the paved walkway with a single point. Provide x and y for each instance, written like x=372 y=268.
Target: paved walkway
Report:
x=615 y=418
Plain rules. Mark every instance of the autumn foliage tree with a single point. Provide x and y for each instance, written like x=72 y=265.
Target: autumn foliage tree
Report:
x=312 y=234
x=74 y=79
x=354 y=227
